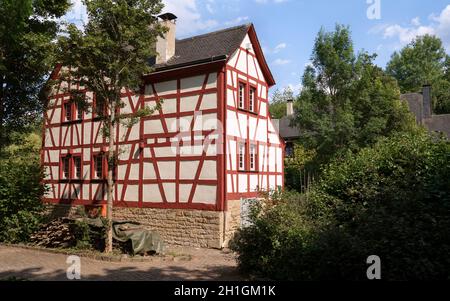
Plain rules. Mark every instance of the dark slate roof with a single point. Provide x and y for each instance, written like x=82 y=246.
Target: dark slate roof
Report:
x=212 y=45
x=286 y=129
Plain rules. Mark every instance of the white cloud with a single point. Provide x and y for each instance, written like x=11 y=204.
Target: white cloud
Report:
x=279 y=47
x=189 y=20
x=415 y=21
x=236 y=21
x=77 y=14
x=280 y=62
x=276 y=49
x=439 y=25
x=210 y=6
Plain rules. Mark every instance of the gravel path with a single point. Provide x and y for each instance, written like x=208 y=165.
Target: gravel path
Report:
x=184 y=264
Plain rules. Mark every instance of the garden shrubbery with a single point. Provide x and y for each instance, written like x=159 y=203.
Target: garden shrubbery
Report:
x=20 y=187
x=391 y=200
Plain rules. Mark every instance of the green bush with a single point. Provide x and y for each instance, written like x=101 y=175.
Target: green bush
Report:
x=82 y=235
x=20 y=187
x=391 y=200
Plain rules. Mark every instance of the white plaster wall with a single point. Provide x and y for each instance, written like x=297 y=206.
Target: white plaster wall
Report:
x=185 y=191
x=209 y=170
x=188 y=169
x=166 y=170
x=209 y=101
x=205 y=194
x=166 y=88
x=242 y=182
x=170 y=192
x=153 y=126
x=169 y=106
x=132 y=193
x=151 y=193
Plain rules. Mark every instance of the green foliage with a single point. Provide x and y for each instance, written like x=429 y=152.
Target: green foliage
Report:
x=82 y=235
x=113 y=50
x=20 y=187
x=27 y=32
x=346 y=102
x=391 y=200
x=277 y=107
x=423 y=61
x=298 y=169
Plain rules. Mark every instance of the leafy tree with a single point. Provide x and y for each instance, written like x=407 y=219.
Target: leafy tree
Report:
x=20 y=186
x=346 y=102
x=27 y=32
x=110 y=54
x=390 y=199
x=423 y=61
x=277 y=107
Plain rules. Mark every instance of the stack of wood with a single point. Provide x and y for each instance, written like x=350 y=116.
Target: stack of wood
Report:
x=56 y=234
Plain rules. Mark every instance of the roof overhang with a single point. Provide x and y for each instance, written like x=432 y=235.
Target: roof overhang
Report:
x=186 y=69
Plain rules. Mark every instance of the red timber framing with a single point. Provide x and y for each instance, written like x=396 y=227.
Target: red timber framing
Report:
x=141 y=173
x=246 y=136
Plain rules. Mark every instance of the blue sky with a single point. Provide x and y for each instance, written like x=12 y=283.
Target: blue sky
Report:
x=287 y=28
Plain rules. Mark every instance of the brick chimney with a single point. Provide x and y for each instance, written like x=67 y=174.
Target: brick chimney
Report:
x=165 y=46
x=427 y=102
x=290 y=107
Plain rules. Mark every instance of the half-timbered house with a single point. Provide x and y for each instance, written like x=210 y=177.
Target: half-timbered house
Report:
x=187 y=169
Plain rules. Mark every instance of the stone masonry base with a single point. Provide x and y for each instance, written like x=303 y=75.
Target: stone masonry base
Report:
x=195 y=228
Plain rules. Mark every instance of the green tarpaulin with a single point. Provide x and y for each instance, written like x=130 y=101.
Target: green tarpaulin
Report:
x=142 y=240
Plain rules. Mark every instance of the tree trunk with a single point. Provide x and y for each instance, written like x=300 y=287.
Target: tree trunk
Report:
x=110 y=183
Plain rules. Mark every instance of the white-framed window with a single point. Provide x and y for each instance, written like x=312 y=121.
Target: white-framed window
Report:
x=77 y=166
x=253 y=157
x=98 y=166
x=79 y=113
x=241 y=156
x=68 y=111
x=65 y=167
x=242 y=88
x=252 y=100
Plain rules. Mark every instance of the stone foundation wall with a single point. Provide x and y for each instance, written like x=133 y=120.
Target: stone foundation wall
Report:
x=233 y=219
x=196 y=228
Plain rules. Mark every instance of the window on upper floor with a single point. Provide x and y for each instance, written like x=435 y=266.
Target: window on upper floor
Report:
x=98 y=166
x=65 y=165
x=79 y=113
x=242 y=95
x=253 y=157
x=252 y=99
x=71 y=167
x=241 y=156
x=77 y=164
x=68 y=111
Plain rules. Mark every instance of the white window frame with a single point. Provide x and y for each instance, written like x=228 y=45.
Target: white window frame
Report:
x=77 y=168
x=252 y=99
x=97 y=165
x=241 y=156
x=242 y=93
x=253 y=157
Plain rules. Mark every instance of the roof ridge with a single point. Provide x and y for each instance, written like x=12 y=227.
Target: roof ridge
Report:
x=216 y=32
